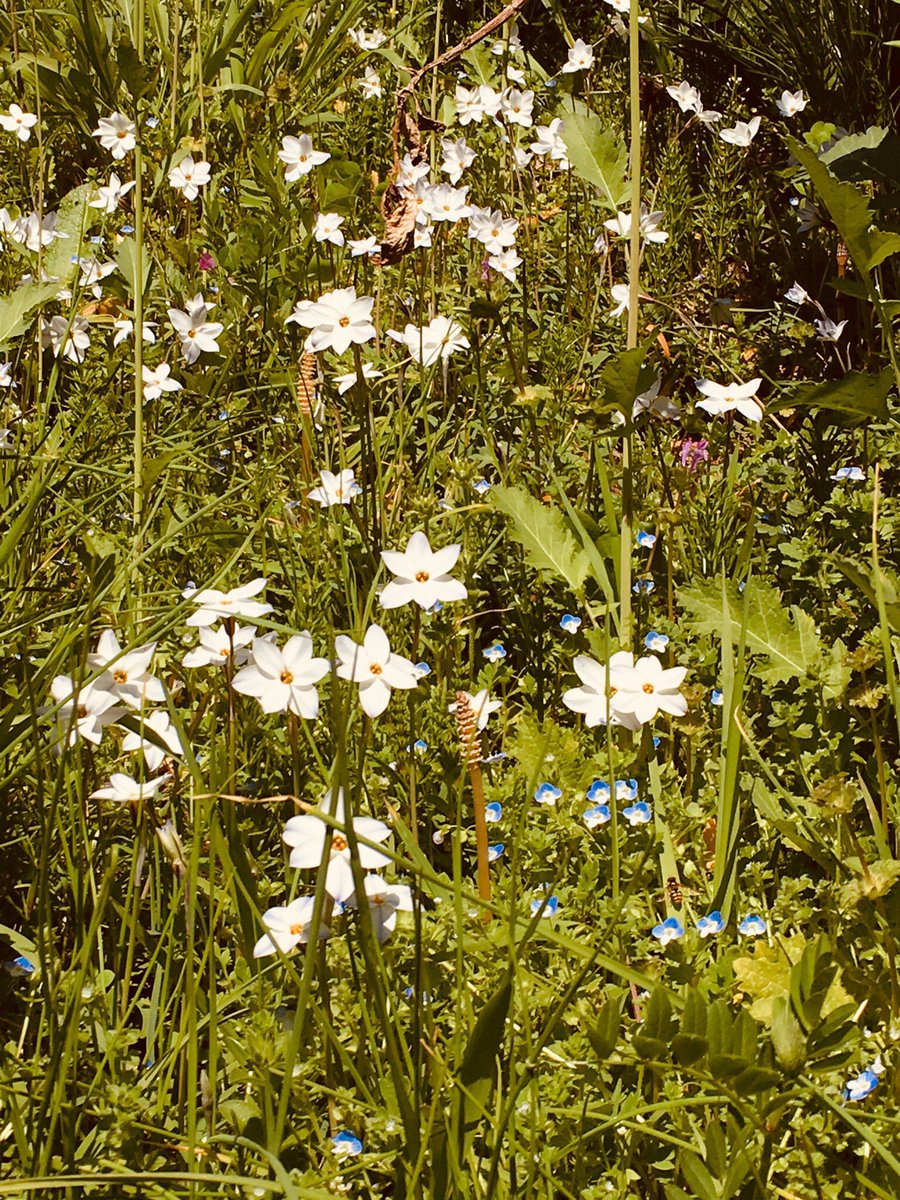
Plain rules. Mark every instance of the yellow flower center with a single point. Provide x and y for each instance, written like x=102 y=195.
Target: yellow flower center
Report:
x=344 y=322
x=286 y=677
x=375 y=668
x=421 y=576
x=120 y=676
x=338 y=843
x=296 y=930
x=648 y=688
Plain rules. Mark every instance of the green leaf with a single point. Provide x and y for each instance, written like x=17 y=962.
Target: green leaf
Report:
x=18 y=308
x=624 y=377
x=697 y=1176
x=787 y=1036
x=478 y=1070
x=604 y=1033
x=755 y=1079
x=858 y=394
x=543 y=534
x=597 y=155
x=863 y=580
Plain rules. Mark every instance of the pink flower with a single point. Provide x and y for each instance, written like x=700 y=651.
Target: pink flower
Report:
x=206 y=262
x=694 y=451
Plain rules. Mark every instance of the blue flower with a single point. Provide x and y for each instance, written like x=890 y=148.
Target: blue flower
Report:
x=495 y=653
x=599 y=790
x=493 y=812
x=546 y=793
x=626 y=789
x=481 y=486
x=598 y=815
x=716 y=698
x=127 y=229
x=656 y=742
x=863 y=1085
x=849 y=474
x=714 y=923
x=419 y=745
x=570 y=623
x=495 y=851
x=643 y=585
x=647 y=540
x=637 y=814
x=752 y=926
x=19 y=966
x=656 y=641
x=435 y=608
x=667 y=931
x=550 y=906
x=498 y=756
x=152 y=122
x=346 y=1145
x=422 y=669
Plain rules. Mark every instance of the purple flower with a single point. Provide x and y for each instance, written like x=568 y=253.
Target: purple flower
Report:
x=694 y=451
x=485 y=270
x=206 y=262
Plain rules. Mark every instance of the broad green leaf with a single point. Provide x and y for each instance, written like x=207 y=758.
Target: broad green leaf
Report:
x=479 y=1067
x=74 y=216
x=697 y=1176
x=597 y=155
x=787 y=1036
x=18 y=308
x=624 y=377
x=543 y=534
x=604 y=1033
x=863 y=580
x=858 y=393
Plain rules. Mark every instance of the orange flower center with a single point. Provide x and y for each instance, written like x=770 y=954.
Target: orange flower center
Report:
x=296 y=930
x=286 y=677
x=421 y=576
x=648 y=688
x=120 y=676
x=338 y=843
x=375 y=668
x=344 y=322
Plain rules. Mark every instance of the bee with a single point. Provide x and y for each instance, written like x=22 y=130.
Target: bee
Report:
x=676 y=895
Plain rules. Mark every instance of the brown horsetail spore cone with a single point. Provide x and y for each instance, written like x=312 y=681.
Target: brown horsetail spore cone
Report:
x=306 y=386
x=471 y=753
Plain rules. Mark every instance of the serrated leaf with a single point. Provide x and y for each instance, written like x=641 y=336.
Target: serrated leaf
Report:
x=624 y=377
x=543 y=534
x=858 y=394
x=597 y=155
x=18 y=308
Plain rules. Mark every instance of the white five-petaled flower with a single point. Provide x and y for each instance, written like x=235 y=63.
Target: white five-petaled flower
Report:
x=346 y=382
x=338 y=320
x=116 y=134
x=124 y=789
x=443 y=202
x=828 y=330
x=742 y=134
x=217 y=646
x=594 y=699
x=370 y=84
x=439 y=339
x=335 y=489
x=375 y=668
x=366 y=40
x=71 y=340
x=18 y=122
x=421 y=574
x=647 y=688
x=216 y=605
x=157 y=380
x=299 y=156
x=796 y=294
x=495 y=232
x=328 y=228
x=108 y=197
x=790 y=103
x=385 y=901
x=188 y=176
x=581 y=58
x=83 y=712
x=363 y=246
x=652 y=401
x=686 y=97
x=126 y=675
x=124 y=328
x=732 y=397
x=457 y=157
x=409 y=173
x=472 y=106
x=506 y=263
x=197 y=335
x=33 y=231
x=160 y=725
x=283 y=680
x=650 y=231
x=517 y=107
x=481 y=705
x=287 y=926
x=308 y=836
x=549 y=141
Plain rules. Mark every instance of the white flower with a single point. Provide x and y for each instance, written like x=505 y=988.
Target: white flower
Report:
x=523 y=157
x=621 y=294
x=797 y=295
x=70 y=340
x=116 y=134
x=550 y=141
x=421 y=574
x=337 y=320
x=198 y=336
x=828 y=331
x=83 y=713
x=124 y=328
x=652 y=401
x=346 y=382
x=93 y=271
x=6 y=378
x=361 y=246
x=283 y=680
x=439 y=339
x=506 y=263
x=18 y=122
x=422 y=237
x=647 y=688
x=473 y=105
x=216 y=605
x=731 y=397
x=34 y=231
x=370 y=84
x=446 y=203
x=108 y=197
x=495 y=232
x=591 y=698
x=299 y=157
x=374 y=668
x=309 y=835
x=368 y=41
x=126 y=675
x=515 y=74
x=328 y=228
x=581 y=58
x=650 y=231
x=126 y=790
x=621 y=6
x=157 y=381
x=707 y=116
x=158 y=722
x=513 y=42
x=790 y=103
x=189 y=176
x=687 y=97
x=287 y=926
x=409 y=173
x=217 y=646
x=517 y=106
x=457 y=157
x=335 y=489
x=481 y=705
x=742 y=134
x=385 y=901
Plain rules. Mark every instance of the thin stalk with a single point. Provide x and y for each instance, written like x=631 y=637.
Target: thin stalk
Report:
x=471 y=748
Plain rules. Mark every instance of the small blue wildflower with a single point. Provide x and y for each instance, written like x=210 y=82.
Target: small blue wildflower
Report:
x=849 y=474
x=643 y=585
x=419 y=745
x=493 y=812
x=498 y=756
x=637 y=814
x=346 y=1145
x=646 y=540
x=435 y=608
x=152 y=122
x=752 y=926
x=711 y=924
x=495 y=851
x=570 y=623
x=626 y=789
x=863 y=1085
x=97 y=240
x=550 y=83
x=667 y=931
x=495 y=653
x=599 y=790
x=656 y=742
x=127 y=229
x=656 y=641
x=481 y=486
x=550 y=906
x=422 y=669
x=19 y=967
x=546 y=793
x=716 y=698
x=598 y=815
